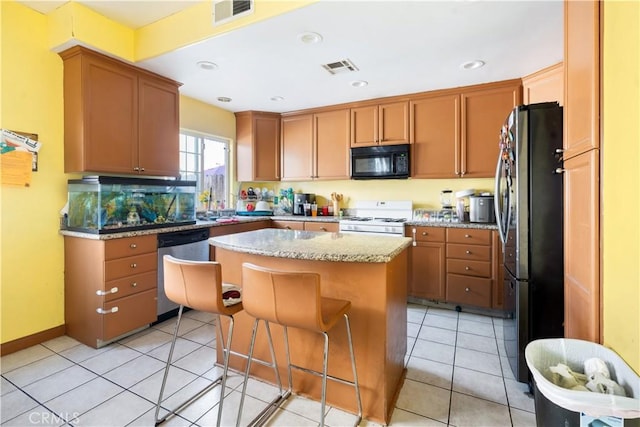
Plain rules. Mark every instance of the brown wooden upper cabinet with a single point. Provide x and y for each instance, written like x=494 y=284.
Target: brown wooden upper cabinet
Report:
x=582 y=77
x=454 y=133
x=118 y=118
x=546 y=85
x=316 y=146
x=258 y=146
x=382 y=124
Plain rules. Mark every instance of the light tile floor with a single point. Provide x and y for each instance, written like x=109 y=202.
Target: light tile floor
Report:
x=457 y=375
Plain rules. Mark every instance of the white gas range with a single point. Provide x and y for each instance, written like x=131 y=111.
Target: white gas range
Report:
x=378 y=217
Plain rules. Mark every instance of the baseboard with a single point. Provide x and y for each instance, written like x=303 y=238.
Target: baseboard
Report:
x=31 y=340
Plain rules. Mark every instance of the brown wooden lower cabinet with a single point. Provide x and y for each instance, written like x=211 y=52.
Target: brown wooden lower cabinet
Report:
x=110 y=287
x=456 y=265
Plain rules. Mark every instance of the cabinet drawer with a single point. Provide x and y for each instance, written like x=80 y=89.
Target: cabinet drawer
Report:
x=469 y=290
x=470 y=236
x=130 y=285
x=132 y=312
x=288 y=225
x=427 y=234
x=120 y=248
x=470 y=252
x=123 y=267
x=321 y=226
x=469 y=268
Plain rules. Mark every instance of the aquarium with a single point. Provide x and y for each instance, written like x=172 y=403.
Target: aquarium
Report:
x=104 y=204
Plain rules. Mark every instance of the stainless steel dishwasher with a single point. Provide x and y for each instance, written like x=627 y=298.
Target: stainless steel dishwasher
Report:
x=191 y=245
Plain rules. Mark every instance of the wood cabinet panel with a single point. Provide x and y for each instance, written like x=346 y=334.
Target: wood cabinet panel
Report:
x=383 y=124
x=582 y=77
x=483 y=114
x=130 y=285
x=581 y=247
x=427 y=234
x=131 y=312
x=546 y=85
x=123 y=267
x=331 y=131
x=118 y=118
x=427 y=267
x=257 y=146
x=297 y=147
x=222 y=230
x=120 y=248
x=469 y=290
x=158 y=131
x=469 y=268
x=321 y=226
x=288 y=225
x=469 y=252
x=497 y=287
x=470 y=236
x=435 y=136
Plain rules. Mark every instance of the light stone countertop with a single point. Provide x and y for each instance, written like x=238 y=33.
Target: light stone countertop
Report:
x=314 y=245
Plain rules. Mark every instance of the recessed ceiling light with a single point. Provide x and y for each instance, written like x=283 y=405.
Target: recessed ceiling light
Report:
x=277 y=98
x=207 y=65
x=472 y=65
x=310 y=38
x=224 y=99
x=359 y=83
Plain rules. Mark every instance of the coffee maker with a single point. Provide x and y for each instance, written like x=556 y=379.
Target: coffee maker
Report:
x=299 y=199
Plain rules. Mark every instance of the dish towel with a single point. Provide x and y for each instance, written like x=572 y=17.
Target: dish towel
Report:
x=231 y=294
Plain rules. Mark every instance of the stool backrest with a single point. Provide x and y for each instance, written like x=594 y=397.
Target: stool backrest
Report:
x=284 y=297
x=195 y=284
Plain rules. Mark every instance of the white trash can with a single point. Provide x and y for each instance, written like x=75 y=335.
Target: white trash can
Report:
x=557 y=406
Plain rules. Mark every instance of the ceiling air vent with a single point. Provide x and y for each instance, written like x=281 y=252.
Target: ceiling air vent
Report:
x=228 y=10
x=342 y=66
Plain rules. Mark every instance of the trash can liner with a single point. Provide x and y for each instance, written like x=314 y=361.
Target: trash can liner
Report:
x=544 y=353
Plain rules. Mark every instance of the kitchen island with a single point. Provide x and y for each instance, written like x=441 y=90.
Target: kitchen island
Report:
x=369 y=271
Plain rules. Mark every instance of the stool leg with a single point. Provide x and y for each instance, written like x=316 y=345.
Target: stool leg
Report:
x=325 y=359
x=286 y=350
x=225 y=356
x=353 y=366
x=246 y=373
x=166 y=369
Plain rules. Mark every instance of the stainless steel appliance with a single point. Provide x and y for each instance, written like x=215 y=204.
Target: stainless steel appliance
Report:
x=188 y=244
x=299 y=199
x=528 y=207
x=481 y=209
x=380 y=162
x=382 y=218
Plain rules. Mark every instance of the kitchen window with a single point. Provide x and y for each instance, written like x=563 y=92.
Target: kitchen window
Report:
x=205 y=159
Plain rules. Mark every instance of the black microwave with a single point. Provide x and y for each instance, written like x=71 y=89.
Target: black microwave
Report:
x=380 y=162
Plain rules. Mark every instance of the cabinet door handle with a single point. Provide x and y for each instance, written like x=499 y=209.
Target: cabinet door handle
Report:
x=467 y=268
x=424 y=233
x=110 y=291
x=136 y=168
x=134 y=284
x=288 y=227
x=141 y=169
x=468 y=252
x=134 y=265
x=413 y=232
x=467 y=289
x=559 y=170
x=467 y=236
x=133 y=246
x=101 y=311
x=323 y=229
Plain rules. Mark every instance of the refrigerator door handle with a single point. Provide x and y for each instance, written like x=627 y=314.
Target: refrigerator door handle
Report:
x=496 y=201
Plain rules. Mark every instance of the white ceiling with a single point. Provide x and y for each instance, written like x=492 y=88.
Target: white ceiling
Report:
x=398 y=46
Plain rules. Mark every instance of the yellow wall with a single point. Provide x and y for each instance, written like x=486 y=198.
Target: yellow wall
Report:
x=621 y=180
x=32 y=294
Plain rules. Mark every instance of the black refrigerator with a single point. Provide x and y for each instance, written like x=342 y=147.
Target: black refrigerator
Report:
x=529 y=214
